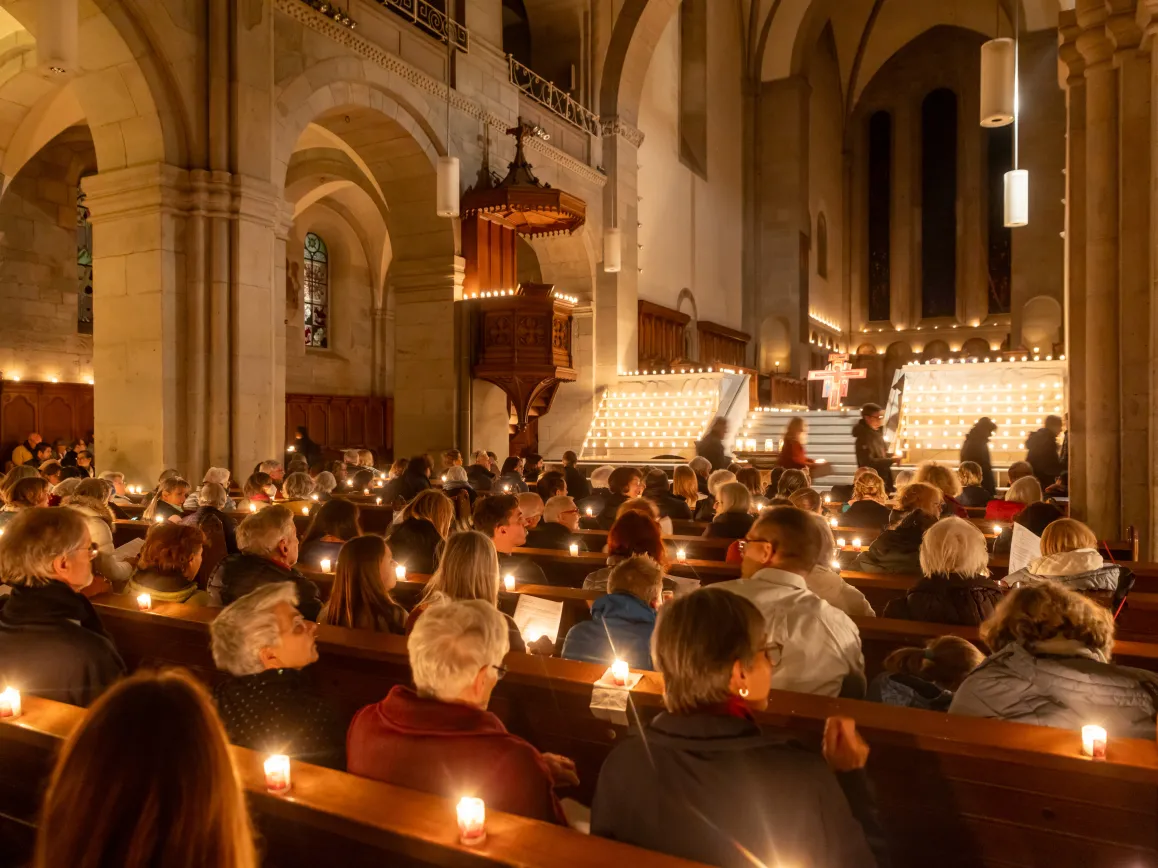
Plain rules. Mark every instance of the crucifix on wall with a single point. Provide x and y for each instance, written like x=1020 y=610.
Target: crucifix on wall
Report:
x=836 y=377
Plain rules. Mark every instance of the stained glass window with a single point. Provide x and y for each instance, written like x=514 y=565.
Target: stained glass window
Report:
x=316 y=288
x=83 y=266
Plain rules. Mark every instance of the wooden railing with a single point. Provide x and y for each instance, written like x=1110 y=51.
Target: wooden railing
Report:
x=787 y=391
x=661 y=335
x=720 y=345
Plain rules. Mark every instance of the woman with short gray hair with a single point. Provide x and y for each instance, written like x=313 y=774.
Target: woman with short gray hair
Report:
x=324 y=485
x=218 y=476
x=439 y=738
x=211 y=503
x=297 y=489
x=270 y=704
x=732 y=519
x=51 y=640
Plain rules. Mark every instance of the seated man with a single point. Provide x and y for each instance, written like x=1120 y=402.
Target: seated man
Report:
x=557 y=529
x=500 y=518
x=532 y=506
x=577 y=484
x=551 y=484
x=41 y=452
x=268 y=549
x=120 y=493
x=622 y=621
x=479 y=474
x=439 y=738
x=25 y=452
x=269 y=703
x=591 y=505
x=657 y=489
x=813 y=646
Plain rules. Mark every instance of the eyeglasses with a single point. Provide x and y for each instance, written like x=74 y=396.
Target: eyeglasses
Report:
x=501 y=670
x=93 y=550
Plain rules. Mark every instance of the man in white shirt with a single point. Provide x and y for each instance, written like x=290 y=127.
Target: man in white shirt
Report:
x=813 y=646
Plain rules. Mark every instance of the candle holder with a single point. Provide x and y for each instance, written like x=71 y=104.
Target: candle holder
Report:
x=10 y=702
x=1094 y=742
x=305 y=510
x=377 y=501
x=253 y=507
x=144 y=602
x=158 y=519
x=620 y=673
x=277 y=774
x=682 y=555
x=509 y=582
x=400 y=572
x=574 y=549
x=590 y=512
x=325 y=565
x=472 y=825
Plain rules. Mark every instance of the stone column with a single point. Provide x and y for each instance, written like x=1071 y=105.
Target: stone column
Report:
x=1103 y=448
x=426 y=352
x=617 y=295
x=139 y=335
x=1148 y=19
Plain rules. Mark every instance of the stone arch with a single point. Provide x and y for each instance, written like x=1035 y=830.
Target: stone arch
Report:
x=897 y=355
x=637 y=31
x=866 y=350
x=567 y=261
x=937 y=349
x=775 y=345
x=686 y=303
x=975 y=348
x=822 y=245
x=1041 y=320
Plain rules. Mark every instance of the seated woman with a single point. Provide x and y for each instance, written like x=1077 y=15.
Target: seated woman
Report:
x=417 y=539
x=634 y=533
x=704 y=783
x=324 y=485
x=296 y=490
x=510 y=479
x=270 y=704
x=749 y=477
x=414 y=479
x=259 y=492
x=898 y=549
x=1021 y=493
x=455 y=480
x=151 y=748
x=925 y=677
x=361 y=596
x=1051 y=666
x=439 y=737
x=868 y=509
x=1035 y=518
x=706 y=508
x=24 y=493
x=219 y=476
x=622 y=620
x=733 y=519
x=168 y=564
x=169 y=502
x=211 y=501
x=334 y=524
x=825 y=580
x=944 y=480
x=51 y=640
x=956 y=588
x=1069 y=556
x=685 y=486
x=790 y=482
x=469 y=570
x=972 y=492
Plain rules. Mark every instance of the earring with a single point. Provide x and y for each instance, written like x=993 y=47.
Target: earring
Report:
x=743 y=692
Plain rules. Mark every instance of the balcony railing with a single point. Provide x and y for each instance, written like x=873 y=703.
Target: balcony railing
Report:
x=430 y=19
x=546 y=94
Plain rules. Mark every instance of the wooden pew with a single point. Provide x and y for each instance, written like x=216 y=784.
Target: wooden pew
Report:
x=954 y=792
x=327 y=815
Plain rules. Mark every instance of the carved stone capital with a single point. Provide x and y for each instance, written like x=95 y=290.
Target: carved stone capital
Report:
x=616 y=126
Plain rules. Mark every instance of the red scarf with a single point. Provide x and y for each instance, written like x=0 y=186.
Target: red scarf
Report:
x=733 y=706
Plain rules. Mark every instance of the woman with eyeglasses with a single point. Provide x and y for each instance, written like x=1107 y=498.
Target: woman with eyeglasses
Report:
x=438 y=736
x=51 y=640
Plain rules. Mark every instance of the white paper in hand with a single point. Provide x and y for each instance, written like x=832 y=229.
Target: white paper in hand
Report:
x=130 y=549
x=1026 y=547
x=536 y=617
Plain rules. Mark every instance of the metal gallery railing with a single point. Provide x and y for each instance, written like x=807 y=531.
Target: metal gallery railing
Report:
x=431 y=19
x=547 y=94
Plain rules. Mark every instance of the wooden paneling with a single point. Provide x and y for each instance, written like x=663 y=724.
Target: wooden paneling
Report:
x=661 y=335
x=720 y=345
x=338 y=422
x=61 y=411
x=490 y=253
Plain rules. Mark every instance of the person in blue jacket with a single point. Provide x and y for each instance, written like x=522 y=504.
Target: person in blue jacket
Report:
x=622 y=621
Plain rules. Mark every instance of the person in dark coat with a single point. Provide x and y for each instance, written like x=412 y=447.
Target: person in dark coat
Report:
x=867 y=509
x=973 y=493
x=52 y=643
x=623 y=484
x=211 y=500
x=711 y=446
x=510 y=479
x=415 y=478
x=1034 y=517
x=870 y=444
x=733 y=519
x=268 y=543
x=550 y=484
x=897 y=550
x=479 y=474
x=704 y=783
x=976 y=449
x=956 y=588
x=558 y=527
x=1042 y=454
x=332 y=525
x=414 y=542
x=577 y=485
x=657 y=489
x=592 y=505
x=270 y=704
x=305 y=447
x=532 y=467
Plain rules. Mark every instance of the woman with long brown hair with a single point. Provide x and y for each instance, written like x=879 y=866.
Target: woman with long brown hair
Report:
x=146 y=780
x=361 y=594
x=334 y=524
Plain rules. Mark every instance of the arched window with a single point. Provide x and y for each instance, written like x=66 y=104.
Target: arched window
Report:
x=317 y=293
x=83 y=266
x=822 y=245
x=1000 y=155
x=939 y=204
x=880 y=212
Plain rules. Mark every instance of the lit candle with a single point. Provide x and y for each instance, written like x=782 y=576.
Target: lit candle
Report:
x=305 y=510
x=841 y=542
x=1093 y=742
x=472 y=821
x=144 y=602
x=159 y=519
x=589 y=512
x=506 y=488
x=10 y=702
x=856 y=542
x=619 y=672
x=444 y=477
x=313 y=497
x=253 y=507
x=378 y=501
x=574 y=547
x=827 y=498
x=832 y=521
x=366 y=491
x=277 y=773
x=289 y=449
x=400 y=572
x=681 y=555
x=325 y=565
x=509 y=582
x=996 y=530
x=836 y=564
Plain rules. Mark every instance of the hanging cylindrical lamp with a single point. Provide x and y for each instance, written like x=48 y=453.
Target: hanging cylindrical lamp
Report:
x=447 y=195
x=58 y=35
x=998 y=82
x=1017 y=198
x=612 y=250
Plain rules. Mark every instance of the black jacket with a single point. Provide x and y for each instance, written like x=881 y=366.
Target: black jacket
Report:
x=525 y=570
x=668 y=504
x=897 y=550
x=871 y=451
x=167 y=510
x=479 y=477
x=52 y=645
x=451 y=490
x=865 y=514
x=713 y=788
x=280 y=711
x=1041 y=453
x=577 y=485
x=712 y=448
x=202 y=517
x=415 y=542
x=407 y=486
x=594 y=502
x=706 y=509
x=730 y=525
x=974 y=495
x=552 y=535
x=611 y=504
x=239 y=574
x=950 y=599
x=976 y=449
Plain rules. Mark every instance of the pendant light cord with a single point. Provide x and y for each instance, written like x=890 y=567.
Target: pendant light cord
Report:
x=1016 y=85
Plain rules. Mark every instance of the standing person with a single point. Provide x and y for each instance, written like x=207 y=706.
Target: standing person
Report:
x=1041 y=451
x=976 y=449
x=577 y=485
x=870 y=444
x=306 y=447
x=792 y=454
x=711 y=446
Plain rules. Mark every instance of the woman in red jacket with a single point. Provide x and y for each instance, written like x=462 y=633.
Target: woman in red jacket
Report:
x=792 y=454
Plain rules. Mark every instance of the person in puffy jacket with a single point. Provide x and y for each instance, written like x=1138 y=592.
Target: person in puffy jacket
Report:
x=1069 y=556
x=956 y=588
x=622 y=621
x=926 y=677
x=897 y=550
x=1051 y=666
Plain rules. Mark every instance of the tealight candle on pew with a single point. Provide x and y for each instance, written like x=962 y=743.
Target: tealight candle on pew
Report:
x=856 y=543
x=1094 y=741
x=290 y=449
x=506 y=488
x=828 y=498
x=472 y=821
x=589 y=512
x=832 y=521
x=313 y=497
x=997 y=529
x=366 y=491
x=325 y=565
x=144 y=602
x=400 y=572
x=574 y=549
x=619 y=673
x=444 y=477
x=841 y=542
x=509 y=582
x=681 y=555
x=10 y=702
x=277 y=773
x=378 y=501
x=253 y=507
x=305 y=510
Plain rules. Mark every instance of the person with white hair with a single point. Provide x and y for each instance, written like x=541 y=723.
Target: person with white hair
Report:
x=218 y=475
x=558 y=527
x=269 y=703
x=438 y=736
x=296 y=490
x=267 y=543
x=455 y=480
x=593 y=504
x=706 y=508
x=956 y=588
x=1021 y=493
x=732 y=519
x=120 y=493
x=532 y=506
x=274 y=468
x=90 y=499
x=210 y=515
x=825 y=580
x=479 y=474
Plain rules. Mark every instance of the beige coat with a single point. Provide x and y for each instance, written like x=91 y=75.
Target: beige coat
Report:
x=99 y=519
